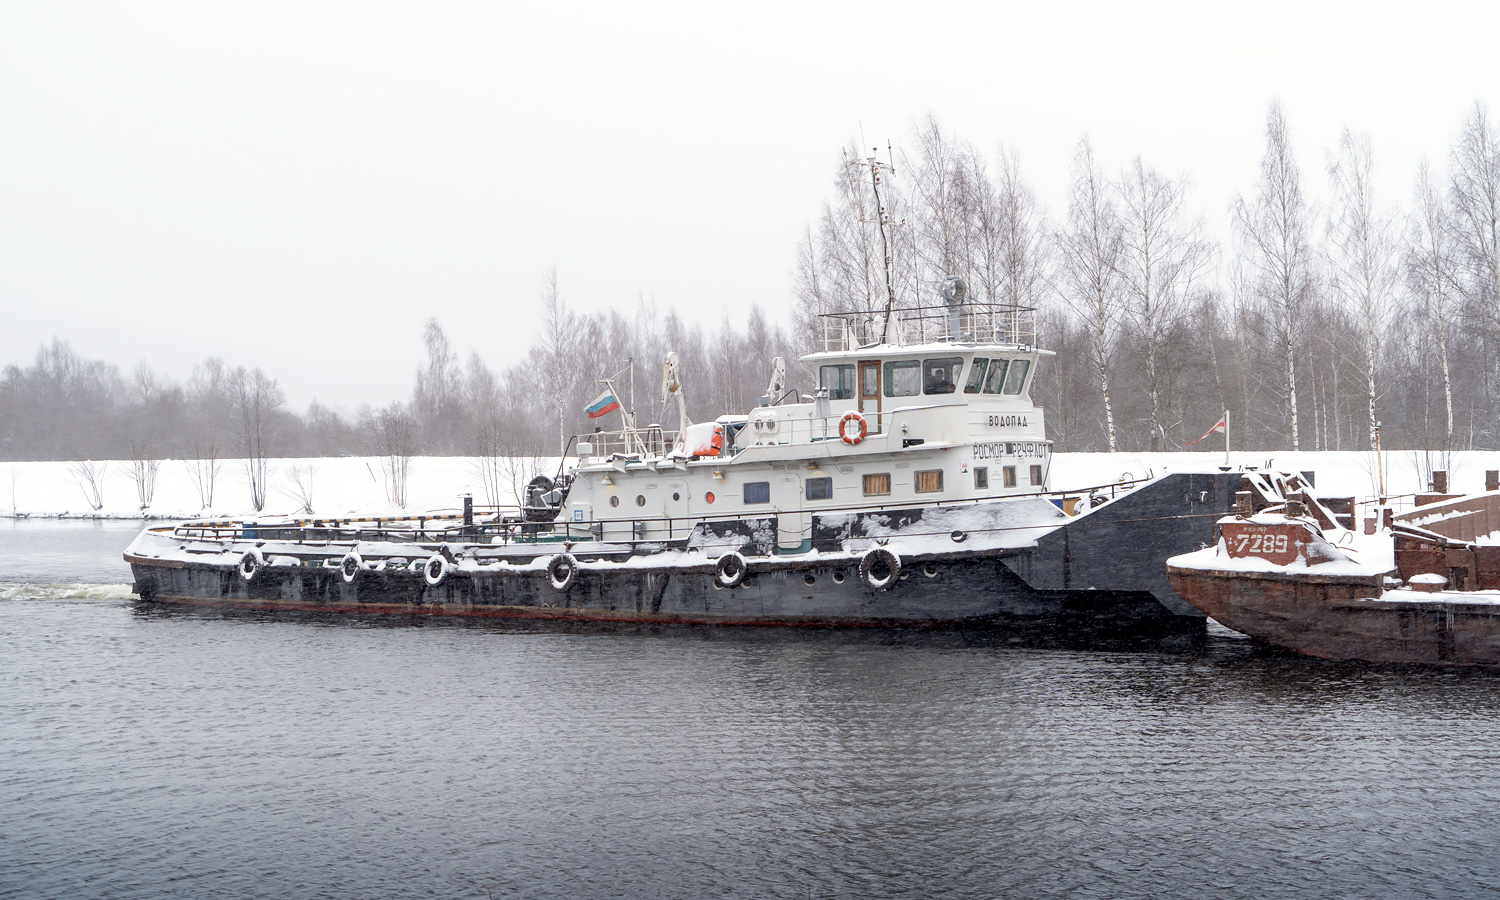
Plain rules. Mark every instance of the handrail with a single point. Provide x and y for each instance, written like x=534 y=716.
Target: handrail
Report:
x=518 y=532
x=977 y=322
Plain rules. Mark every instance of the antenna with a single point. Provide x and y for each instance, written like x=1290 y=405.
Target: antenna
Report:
x=883 y=219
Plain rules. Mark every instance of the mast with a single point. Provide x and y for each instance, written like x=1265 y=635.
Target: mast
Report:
x=883 y=219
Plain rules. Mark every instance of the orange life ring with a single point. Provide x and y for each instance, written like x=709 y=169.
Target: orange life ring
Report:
x=845 y=436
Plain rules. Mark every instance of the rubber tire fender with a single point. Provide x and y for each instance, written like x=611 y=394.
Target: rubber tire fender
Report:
x=251 y=564
x=350 y=565
x=435 y=569
x=562 y=571
x=730 y=570
x=876 y=559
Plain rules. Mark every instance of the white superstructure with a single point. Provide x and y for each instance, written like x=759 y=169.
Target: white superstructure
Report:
x=936 y=408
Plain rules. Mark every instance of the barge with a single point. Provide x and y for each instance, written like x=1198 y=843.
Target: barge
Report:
x=1421 y=586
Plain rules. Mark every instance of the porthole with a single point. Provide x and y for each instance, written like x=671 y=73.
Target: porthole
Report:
x=614 y=501
x=676 y=496
x=838 y=576
x=708 y=497
x=640 y=499
x=810 y=579
x=929 y=570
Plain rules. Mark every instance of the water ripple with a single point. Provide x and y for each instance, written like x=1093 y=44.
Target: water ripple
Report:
x=151 y=753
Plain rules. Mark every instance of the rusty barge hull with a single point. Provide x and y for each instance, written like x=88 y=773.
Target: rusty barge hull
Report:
x=1344 y=618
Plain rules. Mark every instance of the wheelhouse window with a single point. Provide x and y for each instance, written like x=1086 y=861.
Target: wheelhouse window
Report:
x=1010 y=475
x=1017 y=377
x=838 y=381
x=940 y=376
x=976 y=376
x=820 y=488
x=878 y=484
x=1036 y=475
x=929 y=481
x=996 y=379
x=757 y=492
x=982 y=477
x=903 y=378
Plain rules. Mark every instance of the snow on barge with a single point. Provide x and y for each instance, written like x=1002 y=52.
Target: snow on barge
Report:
x=911 y=488
x=1420 y=587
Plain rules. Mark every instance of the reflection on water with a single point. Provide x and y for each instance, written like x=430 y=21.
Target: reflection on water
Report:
x=155 y=753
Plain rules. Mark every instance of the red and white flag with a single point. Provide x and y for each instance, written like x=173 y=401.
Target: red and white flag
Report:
x=1223 y=425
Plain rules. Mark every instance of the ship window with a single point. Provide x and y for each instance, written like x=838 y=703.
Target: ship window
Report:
x=838 y=380
x=640 y=499
x=1010 y=475
x=996 y=378
x=1017 y=376
x=929 y=481
x=940 y=376
x=1036 y=475
x=982 y=477
x=878 y=484
x=758 y=492
x=820 y=488
x=903 y=378
x=614 y=501
x=976 y=376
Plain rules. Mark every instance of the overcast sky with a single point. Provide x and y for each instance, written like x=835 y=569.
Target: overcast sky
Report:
x=301 y=185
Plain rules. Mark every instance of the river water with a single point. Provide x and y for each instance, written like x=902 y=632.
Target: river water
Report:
x=148 y=753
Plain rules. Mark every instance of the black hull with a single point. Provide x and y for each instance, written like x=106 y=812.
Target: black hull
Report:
x=974 y=591
x=1104 y=570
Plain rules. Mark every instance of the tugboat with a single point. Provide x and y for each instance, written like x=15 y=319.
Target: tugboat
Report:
x=910 y=488
x=1420 y=587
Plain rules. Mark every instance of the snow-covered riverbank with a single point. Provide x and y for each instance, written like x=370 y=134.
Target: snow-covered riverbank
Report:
x=357 y=485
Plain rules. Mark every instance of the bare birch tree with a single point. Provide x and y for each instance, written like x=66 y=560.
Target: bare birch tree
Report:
x=1475 y=193
x=1429 y=268
x=557 y=332
x=1273 y=231
x=255 y=398
x=1010 y=234
x=1362 y=257
x=396 y=443
x=1089 y=279
x=89 y=476
x=1161 y=258
x=942 y=203
x=435 y=400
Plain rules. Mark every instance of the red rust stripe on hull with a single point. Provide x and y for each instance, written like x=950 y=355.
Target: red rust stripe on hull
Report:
x=528 y=612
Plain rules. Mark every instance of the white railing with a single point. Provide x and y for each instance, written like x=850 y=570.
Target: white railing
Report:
x=651 y=442
x=982 y=323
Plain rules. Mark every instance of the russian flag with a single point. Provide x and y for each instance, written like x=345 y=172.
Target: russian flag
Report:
x=604 y=404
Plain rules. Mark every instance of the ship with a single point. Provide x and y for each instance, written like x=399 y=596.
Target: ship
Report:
x=1419 y=586
x=910 y=487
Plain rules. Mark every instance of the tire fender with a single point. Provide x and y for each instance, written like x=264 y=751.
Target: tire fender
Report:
x=251 y=564
x=730 y=569
x=350 y=566
x=880 y=568
x=435 y=570
x=562 y=571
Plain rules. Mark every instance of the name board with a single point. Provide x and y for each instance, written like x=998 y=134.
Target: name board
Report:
x=1022 y=450
x=1006 y=421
